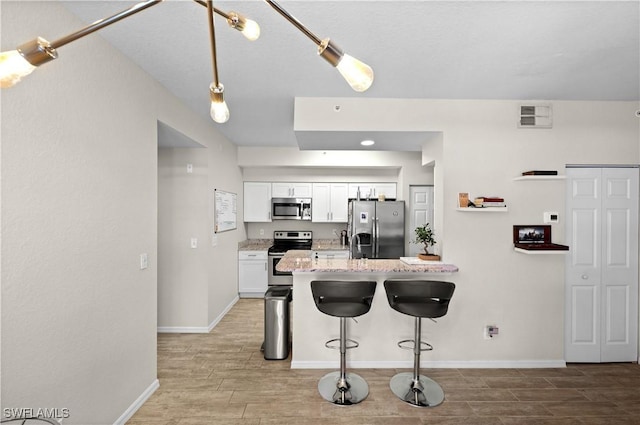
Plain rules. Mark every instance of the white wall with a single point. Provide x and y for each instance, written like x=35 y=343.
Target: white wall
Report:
x=182 y=214
x=194 y=285
x=479 y=150
x=79 y=205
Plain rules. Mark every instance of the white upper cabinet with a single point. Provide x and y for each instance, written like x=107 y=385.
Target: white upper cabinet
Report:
x=291 y=190
x=257 y=201
x=373 y=190
x=330 y=203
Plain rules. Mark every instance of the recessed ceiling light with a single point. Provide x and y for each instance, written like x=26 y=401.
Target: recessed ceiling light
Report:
x=367 y=143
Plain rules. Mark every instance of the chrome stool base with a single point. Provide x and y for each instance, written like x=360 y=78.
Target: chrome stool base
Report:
x=353 y=391
x=427 y=392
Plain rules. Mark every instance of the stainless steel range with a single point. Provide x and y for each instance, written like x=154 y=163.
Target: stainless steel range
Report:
x=284 y=240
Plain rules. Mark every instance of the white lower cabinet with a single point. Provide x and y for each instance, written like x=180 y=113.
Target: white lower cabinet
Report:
x=252 y=274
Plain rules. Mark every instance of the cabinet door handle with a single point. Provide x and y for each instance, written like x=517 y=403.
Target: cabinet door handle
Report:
x=585 y=277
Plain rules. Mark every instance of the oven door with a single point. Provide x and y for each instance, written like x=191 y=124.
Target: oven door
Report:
x=276 y=277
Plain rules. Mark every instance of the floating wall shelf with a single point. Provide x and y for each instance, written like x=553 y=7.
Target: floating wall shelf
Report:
x=540 y=252
x=538 y=178
x=483 y=210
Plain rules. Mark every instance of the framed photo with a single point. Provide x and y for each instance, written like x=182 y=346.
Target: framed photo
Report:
x=532 y=234
x=463 y=200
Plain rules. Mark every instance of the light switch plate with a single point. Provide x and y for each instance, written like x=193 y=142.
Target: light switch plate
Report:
x=194 y=242
x=144 y=261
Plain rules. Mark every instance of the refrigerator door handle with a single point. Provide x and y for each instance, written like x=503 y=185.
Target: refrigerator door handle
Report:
x=376 y=233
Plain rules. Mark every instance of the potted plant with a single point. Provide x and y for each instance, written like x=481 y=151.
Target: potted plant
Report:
x=424 y=236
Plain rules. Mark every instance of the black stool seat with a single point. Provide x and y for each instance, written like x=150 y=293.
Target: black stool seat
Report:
x=343 y=299
x=420 y=299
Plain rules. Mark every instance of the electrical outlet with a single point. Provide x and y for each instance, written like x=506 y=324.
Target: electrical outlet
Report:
x=261 y=232
x=490 y=331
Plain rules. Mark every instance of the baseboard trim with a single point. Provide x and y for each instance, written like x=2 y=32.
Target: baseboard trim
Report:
x=471 y=364
x=182 y=330
x=217 y=320
x=137 y=404
x=198 y=329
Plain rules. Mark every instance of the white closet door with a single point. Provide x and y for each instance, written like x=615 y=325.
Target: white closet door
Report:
x=582 y=297
x=601 y=319
x=420 y=213
x=619 y=325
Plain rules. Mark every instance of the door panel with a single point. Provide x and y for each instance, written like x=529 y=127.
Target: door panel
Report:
x=617 y=323
x=585 y=315
x=617 y=243
x=584 y=244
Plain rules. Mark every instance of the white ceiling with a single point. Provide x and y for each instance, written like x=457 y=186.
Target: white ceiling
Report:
x=536 y=50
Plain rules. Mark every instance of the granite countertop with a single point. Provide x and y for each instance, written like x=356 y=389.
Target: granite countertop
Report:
x=255 y=244
x=328 y=245
x=300 y=261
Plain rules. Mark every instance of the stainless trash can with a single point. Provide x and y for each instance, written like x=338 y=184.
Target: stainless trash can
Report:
x=276 y=323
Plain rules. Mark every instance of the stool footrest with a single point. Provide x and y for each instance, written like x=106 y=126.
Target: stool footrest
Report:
x=404 y=345
x=349 y=344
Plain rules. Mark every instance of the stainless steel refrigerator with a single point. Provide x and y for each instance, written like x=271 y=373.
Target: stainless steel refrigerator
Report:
x=376 y=229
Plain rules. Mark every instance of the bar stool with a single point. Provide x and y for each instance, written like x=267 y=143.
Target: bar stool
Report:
x=343 y=299
x=418 y=298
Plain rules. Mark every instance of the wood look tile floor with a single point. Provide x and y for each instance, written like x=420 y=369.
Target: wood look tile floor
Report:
x=222 y=378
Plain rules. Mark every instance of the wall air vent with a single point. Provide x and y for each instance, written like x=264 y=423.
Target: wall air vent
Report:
x=535 y=116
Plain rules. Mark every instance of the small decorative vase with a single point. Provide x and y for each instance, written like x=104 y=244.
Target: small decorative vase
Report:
x=429 y=257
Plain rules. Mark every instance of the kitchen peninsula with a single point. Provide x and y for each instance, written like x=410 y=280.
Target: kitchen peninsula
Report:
x=378 y=331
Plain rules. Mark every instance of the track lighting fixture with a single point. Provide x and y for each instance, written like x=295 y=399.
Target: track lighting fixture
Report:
x=16 y=64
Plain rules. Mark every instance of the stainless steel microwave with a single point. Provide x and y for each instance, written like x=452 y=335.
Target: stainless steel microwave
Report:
x=291 y=208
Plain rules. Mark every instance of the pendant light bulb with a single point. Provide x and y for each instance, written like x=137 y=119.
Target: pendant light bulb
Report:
x=248 y=27
x=13 y=66
x=219 y=108
x=251 y=30
x=358 y=74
